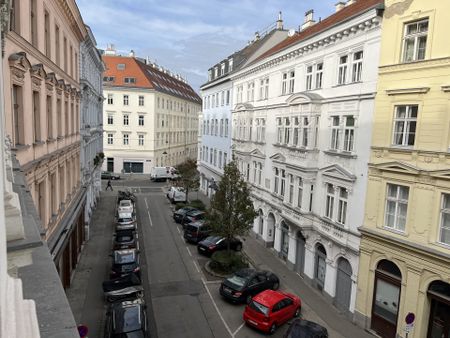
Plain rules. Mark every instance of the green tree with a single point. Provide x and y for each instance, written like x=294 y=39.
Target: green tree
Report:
x=188 y=176
x=231 y=212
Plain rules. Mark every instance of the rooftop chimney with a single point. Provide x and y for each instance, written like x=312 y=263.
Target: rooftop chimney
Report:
x=339 y=5
x=110 y=49
x=279 y=22
x=131 y=54
x=350 y=2
x=256 y=36
x=309 y=21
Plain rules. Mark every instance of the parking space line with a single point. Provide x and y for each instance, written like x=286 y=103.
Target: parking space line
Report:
x=196 y=266
x=238 y=329
x=213 y=282
x=178 y=229
x=150 y=218
x=146 y=204
x=189 y=251
x=217 y=309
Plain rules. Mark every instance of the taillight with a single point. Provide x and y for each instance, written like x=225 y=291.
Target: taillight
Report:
x=136 y=269
x=237 y=294
x=211 y=247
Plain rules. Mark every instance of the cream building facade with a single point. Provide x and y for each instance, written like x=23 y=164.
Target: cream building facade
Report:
x=302 y=123
x=405 y=248
x=150 y=116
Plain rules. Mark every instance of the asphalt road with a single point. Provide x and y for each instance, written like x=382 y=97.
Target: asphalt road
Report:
x=183 y=300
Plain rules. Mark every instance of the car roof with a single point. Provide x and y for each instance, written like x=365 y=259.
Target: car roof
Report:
x=308 y=326
x=195 y=212
x=127 y=318
x=213 y=239
x=269 y=297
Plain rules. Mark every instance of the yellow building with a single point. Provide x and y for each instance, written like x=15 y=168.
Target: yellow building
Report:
x=405 y=247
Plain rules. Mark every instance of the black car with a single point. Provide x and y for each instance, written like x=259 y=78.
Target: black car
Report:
x=246 y=283
x=197 y=231
x=301 y=328
x=126 y=319
x=125 y=262
x=125 y=239
x=212 y=244
x=192 y=216
x=179 y=214
x=106 y=175
x=120 y=283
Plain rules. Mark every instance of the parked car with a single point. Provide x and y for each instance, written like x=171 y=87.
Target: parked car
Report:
x=128 y=293
x=125 y=239
x=192 y=216
x=179 y=214
x=126 y=319
x=196 y=231
x=246 y=283
x=301 y=328
x=121 y=282
x=125 y=262
x=125 y=206
x=125 y=195
x=176 y=195
x=212 y=244
x=106 y=175
x=270 y=309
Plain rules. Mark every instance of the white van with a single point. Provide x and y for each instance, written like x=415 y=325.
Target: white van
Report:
x=163 y=173
x=176 y=194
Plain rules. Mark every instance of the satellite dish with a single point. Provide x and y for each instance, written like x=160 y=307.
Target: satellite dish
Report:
x=291 y=32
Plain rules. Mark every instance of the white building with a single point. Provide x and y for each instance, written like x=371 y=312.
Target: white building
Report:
x=91 y=69
x=301 y=132
x=150 y=116
x=217 y=97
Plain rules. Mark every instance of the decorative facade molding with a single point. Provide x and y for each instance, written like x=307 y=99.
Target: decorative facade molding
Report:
x=400 y=91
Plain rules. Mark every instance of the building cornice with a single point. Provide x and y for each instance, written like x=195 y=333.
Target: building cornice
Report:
x=403 y=91
x=69 y=7
x=415 y=65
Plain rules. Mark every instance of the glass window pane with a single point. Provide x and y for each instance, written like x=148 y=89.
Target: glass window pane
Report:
x=404 y=193
x=422 y=44
x=446 y=201
x=386 y=300
x=401 y=112
x=392 y=190
x=409 y=50
x=350 y=121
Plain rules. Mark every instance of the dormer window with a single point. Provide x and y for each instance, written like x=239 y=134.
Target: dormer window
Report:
x=120 y=66
x=216 y=72
x=129 y=80
x=230 y=65
x=222 y=69
x=108 y=79
x=209 y=75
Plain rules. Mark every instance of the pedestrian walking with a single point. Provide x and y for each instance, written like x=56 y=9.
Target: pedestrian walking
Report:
x=109 y=185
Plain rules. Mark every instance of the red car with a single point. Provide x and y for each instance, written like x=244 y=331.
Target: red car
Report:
x=270 y=309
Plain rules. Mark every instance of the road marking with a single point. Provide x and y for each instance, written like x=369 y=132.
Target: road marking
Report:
x=146 y=202
x=178 y=229
x=217 y=309
x=213 y=282
x=189 y=251
x=196 y=266
x=238 y=329
x=150 y=218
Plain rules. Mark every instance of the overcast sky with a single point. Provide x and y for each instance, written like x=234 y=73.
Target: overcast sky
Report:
x=189 y=36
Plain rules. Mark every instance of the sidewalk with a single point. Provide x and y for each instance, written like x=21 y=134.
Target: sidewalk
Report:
x=315 y=308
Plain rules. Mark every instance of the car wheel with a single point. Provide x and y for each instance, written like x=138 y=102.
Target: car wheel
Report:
x=239 y=247
x=248 y=299
x=275 y=286
x=273 y=328
x=297 y=312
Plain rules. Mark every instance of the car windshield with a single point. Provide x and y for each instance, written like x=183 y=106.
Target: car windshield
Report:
x=124 y=238
x=125 y=219
x=125 y=203
x=124 y=257
x=213 y=239
x=127 y=319
x=259 y=307
x=237 y=280
x=191 y=228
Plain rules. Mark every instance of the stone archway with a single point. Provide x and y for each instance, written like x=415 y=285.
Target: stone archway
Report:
x=284 y=248
x=300 y=253
x=343 y=285
x=439 y=321
x=260 y=221
x=320 y=266
x=270 y=230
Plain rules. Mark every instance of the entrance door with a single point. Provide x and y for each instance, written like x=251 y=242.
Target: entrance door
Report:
x=343 y=285
x=284 y=240
x=300 y=255
x=439 y=322
x=133 y=167
x=110 y=164
x=321 y=266
x=386 y=299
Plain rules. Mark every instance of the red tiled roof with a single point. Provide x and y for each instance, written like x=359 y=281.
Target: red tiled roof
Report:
x=344 y=14
x=146 y=77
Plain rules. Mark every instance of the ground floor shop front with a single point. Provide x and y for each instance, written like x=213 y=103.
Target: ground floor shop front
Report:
x=399 y=283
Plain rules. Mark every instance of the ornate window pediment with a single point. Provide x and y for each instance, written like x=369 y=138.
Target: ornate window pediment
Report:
x=337 y=172
x=303 y=98
x=278 y=158
x=243 y=107
x=397 y=166
x=443 y=174
x=19 y=65
x=257 y=153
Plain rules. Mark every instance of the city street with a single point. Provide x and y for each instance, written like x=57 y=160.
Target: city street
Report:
x=183 y=299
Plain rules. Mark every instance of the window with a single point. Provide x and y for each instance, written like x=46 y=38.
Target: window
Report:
x=36 y=116
x=222 y=98
x=222 y=69
x=283 y=182
x=110 y=139
x=120 y=66
x=110 y=119
x=284 y=84
x=65 y=54
x=276 y=180
x=309 y=77
x=287 y=83
x=287 y=130
x=357 y=66
x=349 y=133
x=342 y=207
x=141 y=100
x=319 y=73
x=125 y=100
x=49 y=117
x=230 y=65
x=221 y=127
x=220 y=159
x=239 y=93
x=225 y=159
x=228 y=98
x=47 y=33
x=215 y=157
x=342 y=77
x=300 y=192
x=33 y=23
x=396 y=206
x=444 y=235
x=129 y=80
x=57 y=51
x=305 y=132
x=125 y=139
x=291 y=189
x=405 y=122
x=141 y=139
x=141 y=120
x=342 y=125
x=329 y=201
x=291 y=81
x=335 y=133
x=226 y=128
x=126 y=120
x=14 y=20
x=279 y=130
x=259 y=173
x=108 y=78
x=415 y=41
